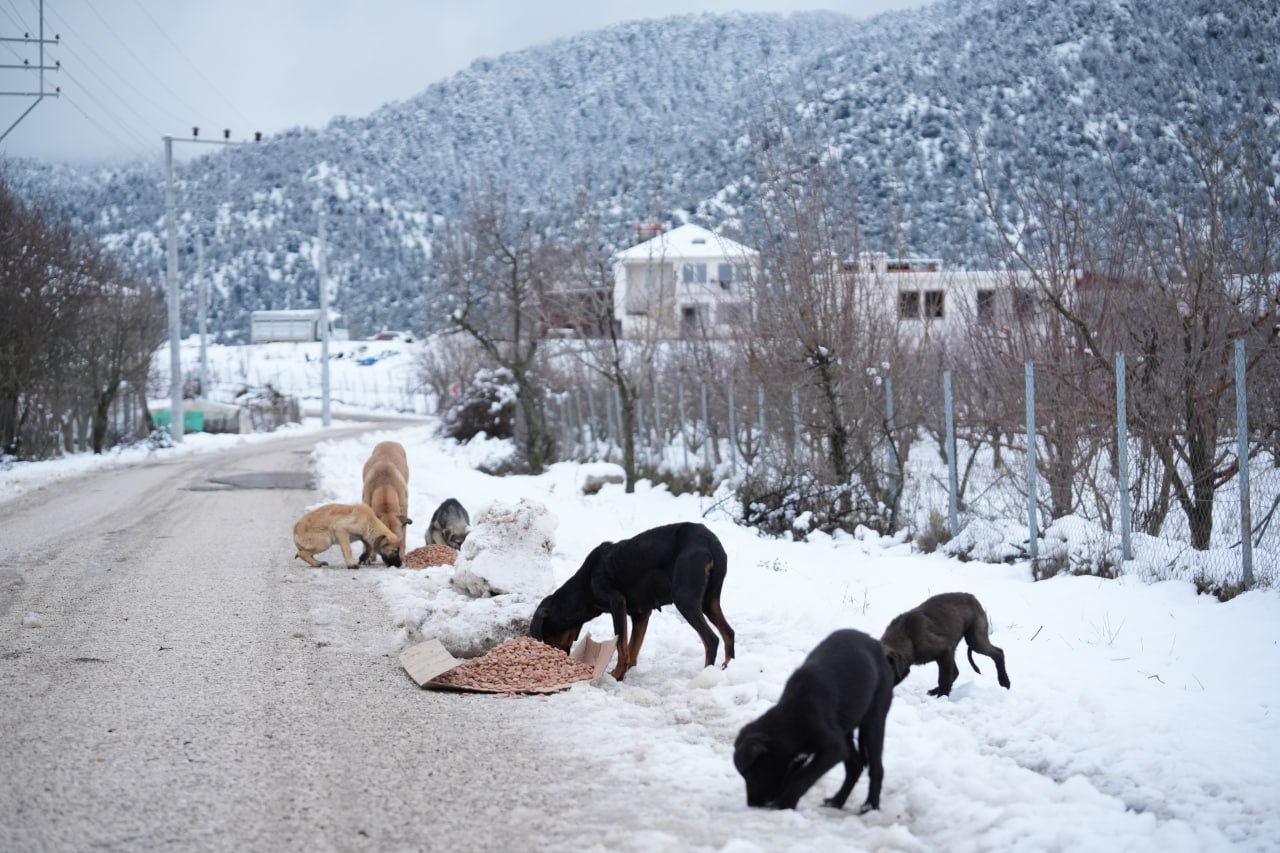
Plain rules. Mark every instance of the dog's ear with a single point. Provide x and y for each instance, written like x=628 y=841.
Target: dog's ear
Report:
x=538 y=622
x=597 y=555
x=898 y=663
x=749 y=749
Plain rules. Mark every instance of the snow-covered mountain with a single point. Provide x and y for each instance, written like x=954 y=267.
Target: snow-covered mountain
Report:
x=666 y=120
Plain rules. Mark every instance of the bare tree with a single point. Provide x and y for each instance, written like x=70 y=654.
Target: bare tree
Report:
x=496 y=267
x=119 y=332
x=828 y=331
x=1172 y=283
x=41 y=302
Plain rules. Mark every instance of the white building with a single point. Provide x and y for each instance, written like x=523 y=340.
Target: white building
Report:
x=692 y=283
x=684 y=283
x=930 y=302
x=292 y=325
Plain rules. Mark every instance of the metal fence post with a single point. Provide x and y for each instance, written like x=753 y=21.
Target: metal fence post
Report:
x=642 y=436
x=952 y=480
x=733 y=436
x=1122 y=458
x=893 y=450
x=1242 y=456
x=706 y=425
x=684 y=436
x=591 y=413
x=617 y=417
x=760 y=410
x=1031 y=460
x=795 y=421
x=657 y=426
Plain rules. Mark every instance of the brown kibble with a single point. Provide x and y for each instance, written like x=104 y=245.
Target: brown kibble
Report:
x=520 y=665
x=430 y=556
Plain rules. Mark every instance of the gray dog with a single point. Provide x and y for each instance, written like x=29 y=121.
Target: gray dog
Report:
x=844 y=684
x=932 y=632
x=449 y=526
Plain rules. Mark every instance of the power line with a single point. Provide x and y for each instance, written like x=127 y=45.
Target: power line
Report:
x=87 y=67
x=157 y=78
x=105 y=131
x=23 y=23
x=17 y=24
x=109 y=113
x=196 y=67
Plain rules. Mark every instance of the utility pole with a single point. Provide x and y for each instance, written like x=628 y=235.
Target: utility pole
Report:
x=175 y=318
x=324 y=325
x=203 y=284
x=40 y=94
x=171 y=281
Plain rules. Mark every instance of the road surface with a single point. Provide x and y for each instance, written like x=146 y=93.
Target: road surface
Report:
x=172 y=679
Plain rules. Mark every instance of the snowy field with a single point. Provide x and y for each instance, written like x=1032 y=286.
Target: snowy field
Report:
x=1141 y=716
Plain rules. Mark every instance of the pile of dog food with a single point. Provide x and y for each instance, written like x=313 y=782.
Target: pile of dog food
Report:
x=520 y=665
x=430 y=556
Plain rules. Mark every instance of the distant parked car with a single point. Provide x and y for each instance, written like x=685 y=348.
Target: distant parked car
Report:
x=393 y=335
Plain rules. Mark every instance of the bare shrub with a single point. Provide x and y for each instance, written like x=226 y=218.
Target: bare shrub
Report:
x=780 y=502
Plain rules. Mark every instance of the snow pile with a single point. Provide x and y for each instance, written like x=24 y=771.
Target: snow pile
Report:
x=508 y=552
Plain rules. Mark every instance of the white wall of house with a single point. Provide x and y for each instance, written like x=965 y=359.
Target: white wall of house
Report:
x=688 y=282
x=935 y=304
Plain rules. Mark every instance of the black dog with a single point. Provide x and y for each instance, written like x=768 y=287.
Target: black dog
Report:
x=844 y=684
x=681 y=563
x=932 y=631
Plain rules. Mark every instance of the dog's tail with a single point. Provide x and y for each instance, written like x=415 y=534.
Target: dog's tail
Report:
x=969 y=649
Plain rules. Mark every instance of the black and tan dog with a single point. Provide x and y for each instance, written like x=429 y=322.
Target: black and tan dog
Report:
x=932 y=632
x=682 y=563
x=844 y=684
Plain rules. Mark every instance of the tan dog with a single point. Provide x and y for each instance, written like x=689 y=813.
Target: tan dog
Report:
x=340 y=524
x=386 y=492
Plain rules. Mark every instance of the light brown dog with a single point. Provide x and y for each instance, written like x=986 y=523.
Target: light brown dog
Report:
x=386 y=492
x=340 y=524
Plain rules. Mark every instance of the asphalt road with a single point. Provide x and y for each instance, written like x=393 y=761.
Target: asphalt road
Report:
x=172 y=679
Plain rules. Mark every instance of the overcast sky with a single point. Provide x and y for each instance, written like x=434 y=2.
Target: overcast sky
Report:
x=133 y=71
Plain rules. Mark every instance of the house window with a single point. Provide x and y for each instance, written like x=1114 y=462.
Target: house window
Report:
x=1023 y=303
x=724 y=275
x=737 y=314
x=934 y=301
x=649 y=285
x=692 y=321
x=727 y=274
x=909 y=305
x=986 y=306
x=694 y=274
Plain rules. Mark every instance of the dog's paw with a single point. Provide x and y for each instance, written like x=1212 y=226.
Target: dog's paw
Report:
x=831 y=801
x=869 y=807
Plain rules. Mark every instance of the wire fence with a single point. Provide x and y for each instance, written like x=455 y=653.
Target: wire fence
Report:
x=990 y=495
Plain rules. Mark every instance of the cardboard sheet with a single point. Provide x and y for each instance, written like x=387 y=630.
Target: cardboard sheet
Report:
x=430 y=659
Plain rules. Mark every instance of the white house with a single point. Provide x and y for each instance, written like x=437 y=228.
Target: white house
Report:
x=690 y=283
x=685 y=283
x=930 y=302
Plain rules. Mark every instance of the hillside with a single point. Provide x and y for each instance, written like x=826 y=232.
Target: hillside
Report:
x=665 y=120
